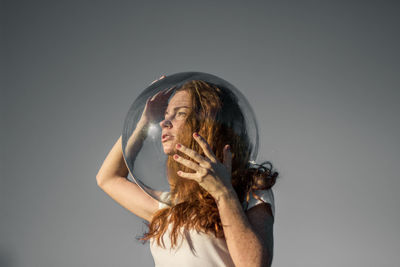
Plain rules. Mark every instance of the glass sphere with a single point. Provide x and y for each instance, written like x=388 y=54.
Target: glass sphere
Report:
x=148 y=138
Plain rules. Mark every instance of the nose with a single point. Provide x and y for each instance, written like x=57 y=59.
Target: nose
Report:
x=166 y=123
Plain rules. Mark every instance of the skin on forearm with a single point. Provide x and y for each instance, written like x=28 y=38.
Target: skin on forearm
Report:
x=135 y=141
x=245 y=247
x=114 y=165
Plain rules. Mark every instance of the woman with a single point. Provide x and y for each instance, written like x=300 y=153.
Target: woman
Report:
x=216 y=213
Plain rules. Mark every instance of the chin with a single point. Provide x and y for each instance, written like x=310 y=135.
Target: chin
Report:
x=168 y=149
x=169 y=152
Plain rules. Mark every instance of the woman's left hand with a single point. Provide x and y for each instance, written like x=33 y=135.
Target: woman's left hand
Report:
x=212 y=175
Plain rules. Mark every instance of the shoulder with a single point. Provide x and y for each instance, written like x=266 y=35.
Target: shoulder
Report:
x=261 y=211
x=262 y=198
x=260 y=214
x=261 y=221
x=164 y=200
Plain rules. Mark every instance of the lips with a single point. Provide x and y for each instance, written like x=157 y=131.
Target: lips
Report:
x=166 y=137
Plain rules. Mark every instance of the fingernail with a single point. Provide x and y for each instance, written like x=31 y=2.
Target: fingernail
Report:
x=178 y=146
x=196 y=134
x=176 y=156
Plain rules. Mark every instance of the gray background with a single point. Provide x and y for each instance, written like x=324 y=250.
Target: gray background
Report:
x=322 y=77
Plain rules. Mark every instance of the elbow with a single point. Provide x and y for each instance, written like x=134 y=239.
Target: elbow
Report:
x=99 y=180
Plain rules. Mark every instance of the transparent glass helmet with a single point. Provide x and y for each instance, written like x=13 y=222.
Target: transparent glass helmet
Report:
x=169 y=111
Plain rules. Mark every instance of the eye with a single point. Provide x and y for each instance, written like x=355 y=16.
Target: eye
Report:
x=181 y=115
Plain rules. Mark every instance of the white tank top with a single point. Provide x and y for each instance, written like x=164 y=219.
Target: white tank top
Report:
x=199 y=249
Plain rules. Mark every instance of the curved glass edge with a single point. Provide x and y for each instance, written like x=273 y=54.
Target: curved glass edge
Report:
x=178 y=80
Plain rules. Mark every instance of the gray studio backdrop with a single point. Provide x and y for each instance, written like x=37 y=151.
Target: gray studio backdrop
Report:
x=322 y=77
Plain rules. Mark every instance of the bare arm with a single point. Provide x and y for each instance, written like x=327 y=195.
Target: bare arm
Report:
x=112 y=176
x=135 y=141
x=113 y=165
x=112 y=179
x=247 y=234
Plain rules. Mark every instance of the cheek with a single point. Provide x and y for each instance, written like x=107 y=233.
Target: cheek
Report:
x=179 y=126
x=184 y=133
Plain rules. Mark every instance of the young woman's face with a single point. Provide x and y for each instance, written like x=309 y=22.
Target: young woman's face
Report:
x=176 y=114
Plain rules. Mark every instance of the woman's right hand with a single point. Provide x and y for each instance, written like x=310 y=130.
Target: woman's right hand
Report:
x=156 y=105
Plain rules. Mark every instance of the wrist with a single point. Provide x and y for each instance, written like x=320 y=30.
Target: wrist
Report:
x=143 y=123
x=227 y=195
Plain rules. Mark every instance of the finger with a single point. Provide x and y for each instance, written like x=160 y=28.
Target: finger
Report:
x=162 y=93
x=187 y=175
x=204 y=162
x=206 y=147
x=169 y=91
x=188 y=163
x=155 y=96
x=162 y=77
x=227 y=161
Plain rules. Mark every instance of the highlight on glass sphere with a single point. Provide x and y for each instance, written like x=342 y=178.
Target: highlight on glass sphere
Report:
x=169 y=112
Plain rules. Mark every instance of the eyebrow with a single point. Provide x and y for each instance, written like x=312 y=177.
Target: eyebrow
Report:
x=178 y=108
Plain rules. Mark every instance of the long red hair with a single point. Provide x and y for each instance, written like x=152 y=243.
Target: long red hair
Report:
x=217 y=117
